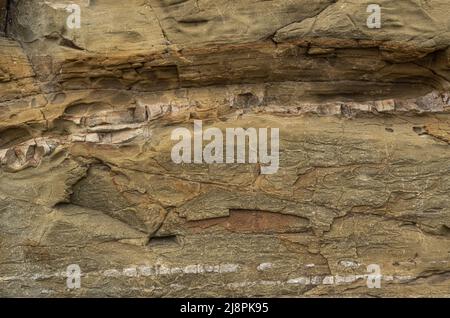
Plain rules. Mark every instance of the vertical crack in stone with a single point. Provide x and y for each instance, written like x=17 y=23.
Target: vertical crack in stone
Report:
x=7 y=14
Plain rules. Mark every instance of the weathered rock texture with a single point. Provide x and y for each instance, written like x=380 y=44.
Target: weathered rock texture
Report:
x=86 y=175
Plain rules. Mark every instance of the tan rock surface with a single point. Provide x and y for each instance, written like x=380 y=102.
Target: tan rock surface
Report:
x=86 y=175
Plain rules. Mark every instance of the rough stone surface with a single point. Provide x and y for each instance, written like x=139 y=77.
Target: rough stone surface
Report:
x=86 y=175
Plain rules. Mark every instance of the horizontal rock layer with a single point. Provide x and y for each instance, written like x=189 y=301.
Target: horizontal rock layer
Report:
x=87 y=178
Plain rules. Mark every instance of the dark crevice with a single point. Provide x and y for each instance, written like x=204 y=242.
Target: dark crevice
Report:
x=419 y=130
x=163 y=240
x=70 y=44
x=193 y=21
x=8 y=8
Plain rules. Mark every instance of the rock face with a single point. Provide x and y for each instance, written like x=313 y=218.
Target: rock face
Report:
x=87 y=175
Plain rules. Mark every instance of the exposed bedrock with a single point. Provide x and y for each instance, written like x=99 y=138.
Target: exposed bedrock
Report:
x=87 y=174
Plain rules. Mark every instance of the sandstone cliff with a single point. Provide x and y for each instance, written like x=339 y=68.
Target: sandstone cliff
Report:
x=86 y=175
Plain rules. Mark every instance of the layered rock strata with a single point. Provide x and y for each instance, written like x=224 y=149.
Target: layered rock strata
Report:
x=87 y=177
